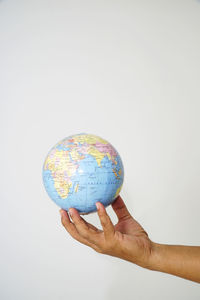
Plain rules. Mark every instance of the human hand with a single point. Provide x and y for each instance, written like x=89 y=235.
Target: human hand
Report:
x=126 y=240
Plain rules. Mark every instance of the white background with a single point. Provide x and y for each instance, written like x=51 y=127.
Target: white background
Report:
x=128 y=71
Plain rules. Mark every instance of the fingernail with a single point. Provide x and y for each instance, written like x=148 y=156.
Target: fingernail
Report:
x=70 y=212
x=60 y=211
x=97 y=205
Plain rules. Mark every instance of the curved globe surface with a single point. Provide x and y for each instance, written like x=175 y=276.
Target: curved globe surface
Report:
x=82 y=169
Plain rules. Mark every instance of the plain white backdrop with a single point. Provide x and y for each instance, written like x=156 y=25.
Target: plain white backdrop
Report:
x=128 y=71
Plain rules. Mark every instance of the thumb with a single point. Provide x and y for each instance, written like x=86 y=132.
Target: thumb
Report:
x=120 y=209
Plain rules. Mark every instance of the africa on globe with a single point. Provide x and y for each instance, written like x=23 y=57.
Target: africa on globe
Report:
x=82 y=169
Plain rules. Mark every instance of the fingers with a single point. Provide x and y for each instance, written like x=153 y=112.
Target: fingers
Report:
x=91 y=226
x=72 y=230
x=120 y=209
x=83 y=228
x=85 y=232
x=105 y=220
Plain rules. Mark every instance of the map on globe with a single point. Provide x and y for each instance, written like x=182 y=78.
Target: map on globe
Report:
x=81 y=170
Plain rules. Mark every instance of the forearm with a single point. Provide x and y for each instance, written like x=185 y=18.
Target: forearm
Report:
x=182 y=261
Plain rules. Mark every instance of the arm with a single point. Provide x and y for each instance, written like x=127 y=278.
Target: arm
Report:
x=129 y=241
x=182 y=261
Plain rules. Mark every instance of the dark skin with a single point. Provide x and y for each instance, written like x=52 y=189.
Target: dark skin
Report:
x=129 y=241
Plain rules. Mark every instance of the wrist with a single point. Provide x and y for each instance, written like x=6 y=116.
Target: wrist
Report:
x=151 y=258
x=156 y=257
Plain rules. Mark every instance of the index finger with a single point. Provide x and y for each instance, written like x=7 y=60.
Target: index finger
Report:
x=86 y=231
x=107 y=225
x=71 y=228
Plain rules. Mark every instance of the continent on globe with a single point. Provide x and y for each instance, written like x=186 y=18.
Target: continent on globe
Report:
x=82 y=169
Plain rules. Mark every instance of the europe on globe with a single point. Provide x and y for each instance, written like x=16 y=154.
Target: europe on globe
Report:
x=82 y=169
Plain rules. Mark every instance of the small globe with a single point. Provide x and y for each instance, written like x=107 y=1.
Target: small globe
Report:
x=82 y=169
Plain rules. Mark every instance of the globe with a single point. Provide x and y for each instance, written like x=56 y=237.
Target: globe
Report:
x=82 y=169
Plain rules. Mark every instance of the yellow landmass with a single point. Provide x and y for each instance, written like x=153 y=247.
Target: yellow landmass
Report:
x=76 y=188
x=75 y=155
x=115 y=172
x=89 y=139
x=96 y=154
x=119 y=173
x=62 y=187
x=118 y=191
x=111 y=158
x=58 y=164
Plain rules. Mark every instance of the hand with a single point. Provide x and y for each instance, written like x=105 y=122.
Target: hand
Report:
x=129 y=241
x=126 y=240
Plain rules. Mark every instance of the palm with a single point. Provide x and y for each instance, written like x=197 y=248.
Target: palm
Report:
x=129 y=232
x=126 y=226
x=126 y=223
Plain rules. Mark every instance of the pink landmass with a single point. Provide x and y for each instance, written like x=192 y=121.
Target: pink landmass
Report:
x=106 y=148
